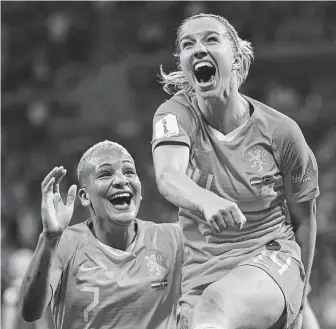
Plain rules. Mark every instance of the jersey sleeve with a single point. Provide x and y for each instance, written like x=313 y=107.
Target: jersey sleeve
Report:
x=297 y=163
x=172 y=124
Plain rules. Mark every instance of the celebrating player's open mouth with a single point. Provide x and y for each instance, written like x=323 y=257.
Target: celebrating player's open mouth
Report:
x=205 y=74
x=121 y=200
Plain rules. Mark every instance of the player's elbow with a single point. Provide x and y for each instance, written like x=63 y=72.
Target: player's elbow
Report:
x=161 y=181
x=164 y=181
x=28 y=311
x=30 y=316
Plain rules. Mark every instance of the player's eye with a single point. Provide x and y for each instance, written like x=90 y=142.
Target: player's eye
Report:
x=212 y=39
x=186 y=44
x=104 y=174
x=128 y=172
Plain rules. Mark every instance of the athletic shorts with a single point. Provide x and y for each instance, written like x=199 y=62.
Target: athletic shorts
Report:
x=275 y=259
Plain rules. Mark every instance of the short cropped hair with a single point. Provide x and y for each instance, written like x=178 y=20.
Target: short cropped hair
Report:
x=175 y=81
x=93 y=152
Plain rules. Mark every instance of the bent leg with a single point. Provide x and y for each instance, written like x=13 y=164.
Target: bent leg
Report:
x=246 y=298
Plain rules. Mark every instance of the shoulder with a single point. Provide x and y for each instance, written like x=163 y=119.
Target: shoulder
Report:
x=180 y=105
x=169 y=232
x=71 y=238
x=279 y=125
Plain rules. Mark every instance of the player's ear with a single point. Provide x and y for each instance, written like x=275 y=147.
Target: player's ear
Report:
x=237 y=62
x=84 y=197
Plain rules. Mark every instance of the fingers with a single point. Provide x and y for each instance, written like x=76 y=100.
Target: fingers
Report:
x=48 y=177
x=58 y=177
x=48 y=186
x=213 y=223
x=72 y=193
x=58 y=173
x=238 y=216
x=222 y=222
x=47 y=195
x=227 y=218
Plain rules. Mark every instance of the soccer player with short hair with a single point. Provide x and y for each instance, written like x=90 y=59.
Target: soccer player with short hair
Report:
x=236 y=169
x=112 y=270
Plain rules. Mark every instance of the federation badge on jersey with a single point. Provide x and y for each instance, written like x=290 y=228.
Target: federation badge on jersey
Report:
x=155 y=263
x=166 y=127
x=257 y=158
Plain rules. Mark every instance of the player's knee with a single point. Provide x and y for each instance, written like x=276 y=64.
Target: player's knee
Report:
x=211 y=308
x=267 y=308
x=212 y=301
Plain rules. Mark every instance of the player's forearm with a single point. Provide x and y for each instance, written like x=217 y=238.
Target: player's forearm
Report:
x=182 y=191
x=35 y=286
x=306 y=237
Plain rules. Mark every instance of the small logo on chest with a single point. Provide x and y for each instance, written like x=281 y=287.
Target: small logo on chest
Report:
x=257 y=158
x=155 y=263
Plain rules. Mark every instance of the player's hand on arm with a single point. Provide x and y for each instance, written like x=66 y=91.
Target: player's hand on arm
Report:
x=36 y=288
x=170 y=162
x=56 y=214
x=221 y=213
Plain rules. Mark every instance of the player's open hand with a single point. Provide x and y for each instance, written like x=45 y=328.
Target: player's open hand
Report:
x=55 y=213
x=221 y=214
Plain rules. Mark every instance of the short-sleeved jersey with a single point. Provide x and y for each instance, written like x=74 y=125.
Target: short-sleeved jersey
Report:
x=264 y=167
x=104 y=288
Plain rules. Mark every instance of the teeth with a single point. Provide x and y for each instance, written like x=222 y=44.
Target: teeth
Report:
x=201 y=64
x=121 y=195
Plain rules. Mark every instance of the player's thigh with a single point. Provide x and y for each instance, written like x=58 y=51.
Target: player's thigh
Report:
x=248 y=296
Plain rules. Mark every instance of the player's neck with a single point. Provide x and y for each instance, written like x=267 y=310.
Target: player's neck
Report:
x=226 y=113
x=115 y=236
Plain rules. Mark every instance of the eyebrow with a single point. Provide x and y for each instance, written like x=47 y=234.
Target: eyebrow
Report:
x=109 y=165
x=207 y=32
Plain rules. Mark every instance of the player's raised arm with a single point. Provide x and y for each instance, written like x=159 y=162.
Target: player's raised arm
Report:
x=299 y=169
x=171 y=158
x=35 y=291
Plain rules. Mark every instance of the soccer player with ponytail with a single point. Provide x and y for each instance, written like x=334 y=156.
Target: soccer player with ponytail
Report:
x=238 y=170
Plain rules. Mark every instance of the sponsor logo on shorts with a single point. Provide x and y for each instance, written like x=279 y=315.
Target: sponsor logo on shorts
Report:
x=273 y=245
x=257 y=158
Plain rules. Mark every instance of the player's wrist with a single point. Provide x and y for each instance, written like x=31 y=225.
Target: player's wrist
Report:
x=50 y=237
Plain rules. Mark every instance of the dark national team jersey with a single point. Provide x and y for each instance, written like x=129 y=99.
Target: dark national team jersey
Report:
x=104 y=288
x=261 y=166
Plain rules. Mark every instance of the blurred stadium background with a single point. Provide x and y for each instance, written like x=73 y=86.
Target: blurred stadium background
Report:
x=75 y=73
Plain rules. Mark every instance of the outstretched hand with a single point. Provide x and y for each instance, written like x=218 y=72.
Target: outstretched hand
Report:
x=56 y=214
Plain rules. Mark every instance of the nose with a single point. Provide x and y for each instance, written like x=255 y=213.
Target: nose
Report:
x=119 y=180
x=200 y=51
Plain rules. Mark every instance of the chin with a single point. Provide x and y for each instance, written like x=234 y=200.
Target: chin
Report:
x=208 y=94
x=125 y=218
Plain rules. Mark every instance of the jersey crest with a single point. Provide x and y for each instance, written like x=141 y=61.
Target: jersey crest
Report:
x=155 y=263
x=257 y=158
